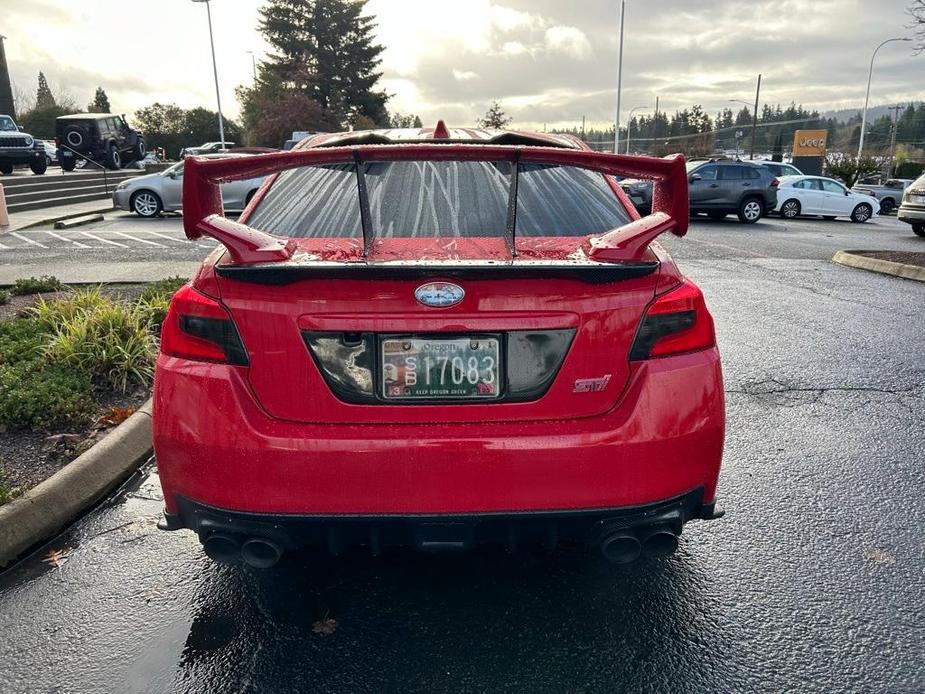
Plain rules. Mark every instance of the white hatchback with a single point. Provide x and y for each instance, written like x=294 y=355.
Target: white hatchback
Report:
x=825 y=197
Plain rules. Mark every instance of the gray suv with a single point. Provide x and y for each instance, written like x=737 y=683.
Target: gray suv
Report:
x=718 y=188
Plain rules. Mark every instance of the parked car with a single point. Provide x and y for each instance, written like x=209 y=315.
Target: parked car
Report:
x=207 y=148
x=718 y=188
x=349 y=371
x=148 y=196
x=100 y=137
x=889 y=193
x=778 y=168
x=912 y=210
x=51 y=151
x=18 y=147
x=814 y=195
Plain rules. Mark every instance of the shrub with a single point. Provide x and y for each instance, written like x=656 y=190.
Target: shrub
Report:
x=154 y=301
x=4 y=297
x=34 y=393
x=110 y=341
x=36 y=285
x=164 y=288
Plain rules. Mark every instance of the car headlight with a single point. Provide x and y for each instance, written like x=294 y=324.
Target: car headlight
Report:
x=122 y=186
x=29 y=141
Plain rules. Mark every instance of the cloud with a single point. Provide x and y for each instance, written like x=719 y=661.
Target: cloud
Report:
x=464 y=75
x=569 y=41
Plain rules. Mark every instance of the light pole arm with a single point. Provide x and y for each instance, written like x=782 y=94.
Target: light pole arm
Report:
x=870 y=75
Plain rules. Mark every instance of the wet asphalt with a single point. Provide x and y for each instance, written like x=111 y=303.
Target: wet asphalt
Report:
x=813 y=581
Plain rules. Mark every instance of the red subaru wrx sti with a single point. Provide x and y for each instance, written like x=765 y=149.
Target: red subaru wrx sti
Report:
x=437 y=338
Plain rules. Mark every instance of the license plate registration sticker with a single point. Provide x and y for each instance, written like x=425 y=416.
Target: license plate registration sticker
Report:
x=458 y=368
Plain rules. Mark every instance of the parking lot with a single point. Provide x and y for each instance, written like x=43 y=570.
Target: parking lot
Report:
x=812 y=582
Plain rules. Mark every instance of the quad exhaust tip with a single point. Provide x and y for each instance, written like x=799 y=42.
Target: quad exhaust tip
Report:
x=625 y=545
x=260 y=553
x=222 y=548
x=256 y=551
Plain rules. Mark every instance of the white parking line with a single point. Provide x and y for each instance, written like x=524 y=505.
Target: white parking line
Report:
x=23 y=238
x=166 y=237
x=4 y=248
x=63 y=238
x=135 y=238
x=100 y=238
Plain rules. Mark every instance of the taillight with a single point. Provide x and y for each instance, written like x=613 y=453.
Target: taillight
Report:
x=775 y=182
x=676 y=322
x=199 y=328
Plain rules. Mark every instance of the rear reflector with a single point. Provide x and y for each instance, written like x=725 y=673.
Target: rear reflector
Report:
x=676 y=322
x=775 y=182
x=198 y=328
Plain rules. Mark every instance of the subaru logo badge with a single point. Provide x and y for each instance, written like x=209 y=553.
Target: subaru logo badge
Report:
x=439 y=294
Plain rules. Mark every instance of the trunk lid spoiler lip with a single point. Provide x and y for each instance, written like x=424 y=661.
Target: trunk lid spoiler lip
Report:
x=203 y=212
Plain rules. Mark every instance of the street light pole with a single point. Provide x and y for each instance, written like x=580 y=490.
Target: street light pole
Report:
x=755 y=117
x=253 y=65
x=616 y=129
x=629 y=124
x=218 y=98
x=870 y=74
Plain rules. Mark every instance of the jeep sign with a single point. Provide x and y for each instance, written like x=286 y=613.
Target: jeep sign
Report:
x=809 y=143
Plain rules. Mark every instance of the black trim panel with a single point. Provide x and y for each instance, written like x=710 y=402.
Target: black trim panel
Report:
x=279 y=274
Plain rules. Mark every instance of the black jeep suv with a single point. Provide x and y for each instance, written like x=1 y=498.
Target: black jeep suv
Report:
x=17 y=147
x=101 y=137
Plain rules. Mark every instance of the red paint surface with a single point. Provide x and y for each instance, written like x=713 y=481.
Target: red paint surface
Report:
x=215 y=445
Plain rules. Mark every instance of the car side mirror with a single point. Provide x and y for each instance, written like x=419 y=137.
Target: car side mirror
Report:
x=847 y=193
x=20 y=128
x=695 y=177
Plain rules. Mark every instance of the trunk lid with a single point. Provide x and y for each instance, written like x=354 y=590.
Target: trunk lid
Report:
x=594 y=324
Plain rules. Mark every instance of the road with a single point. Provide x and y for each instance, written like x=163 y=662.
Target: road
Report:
x=813 y=581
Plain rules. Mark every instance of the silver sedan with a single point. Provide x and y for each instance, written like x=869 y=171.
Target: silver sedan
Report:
x=148 y=196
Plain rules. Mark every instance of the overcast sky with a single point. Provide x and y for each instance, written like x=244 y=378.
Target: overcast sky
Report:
x=548 y=61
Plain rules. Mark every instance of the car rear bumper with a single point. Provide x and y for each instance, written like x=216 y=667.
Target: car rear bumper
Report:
x=438 y=532
x=216 y=446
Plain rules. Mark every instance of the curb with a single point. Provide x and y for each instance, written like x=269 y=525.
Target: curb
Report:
x=886 y=267
x=78 y=221
x=51 y=505
x=101 y=209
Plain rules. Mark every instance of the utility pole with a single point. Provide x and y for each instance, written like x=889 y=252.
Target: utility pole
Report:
x=616 y=129
x=582 y=128
x=895 y=109
x=655 y=129
x=755 y=117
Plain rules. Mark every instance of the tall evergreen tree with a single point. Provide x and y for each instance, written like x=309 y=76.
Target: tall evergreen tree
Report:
x=495 y=117
x=100 y=103
x=333 y=42
x=43 y=95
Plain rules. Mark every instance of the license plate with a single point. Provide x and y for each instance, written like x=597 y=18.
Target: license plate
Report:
x=458 y=368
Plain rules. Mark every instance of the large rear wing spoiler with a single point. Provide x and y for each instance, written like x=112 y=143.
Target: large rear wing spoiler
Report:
x=203 y=213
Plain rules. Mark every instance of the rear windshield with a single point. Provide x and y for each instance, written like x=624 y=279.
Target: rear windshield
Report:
x=438 y=199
